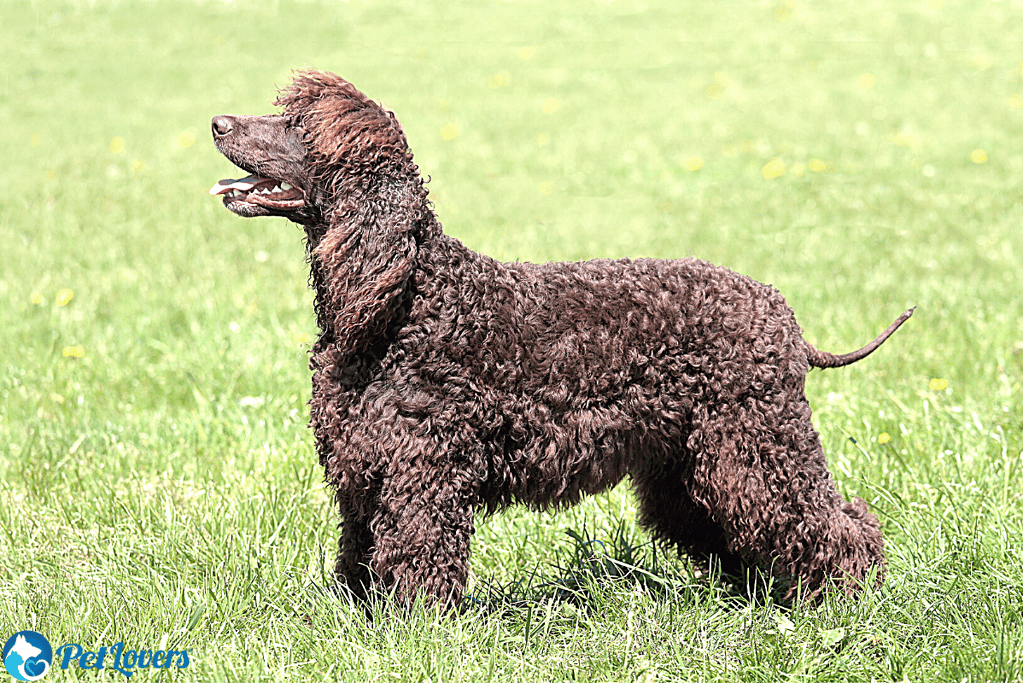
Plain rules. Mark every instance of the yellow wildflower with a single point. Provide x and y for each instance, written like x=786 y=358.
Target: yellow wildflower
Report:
x=450 y=132
x=64 y=297
x=499 y=80
x=693 y=163
x=773 y=169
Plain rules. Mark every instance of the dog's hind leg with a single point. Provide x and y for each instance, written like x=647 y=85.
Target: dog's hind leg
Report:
x=761 y=474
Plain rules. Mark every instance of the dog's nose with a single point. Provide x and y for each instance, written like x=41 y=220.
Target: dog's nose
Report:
x=222 y=125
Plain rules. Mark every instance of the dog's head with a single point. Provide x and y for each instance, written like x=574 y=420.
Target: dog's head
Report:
x=339 y=164
x=329 y=143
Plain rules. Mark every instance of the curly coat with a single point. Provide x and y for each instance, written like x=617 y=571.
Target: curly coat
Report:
x=447 y=384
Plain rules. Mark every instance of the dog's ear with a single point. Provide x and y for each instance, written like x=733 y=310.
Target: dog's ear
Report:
x=363 y=264
x=373 y=202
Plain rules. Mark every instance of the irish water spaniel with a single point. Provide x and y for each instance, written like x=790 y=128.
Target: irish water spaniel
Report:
x=447 y=384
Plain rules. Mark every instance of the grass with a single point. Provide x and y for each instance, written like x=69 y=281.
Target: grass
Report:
x=157 y=480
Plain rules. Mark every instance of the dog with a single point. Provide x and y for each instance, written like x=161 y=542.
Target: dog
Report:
x=448 y=385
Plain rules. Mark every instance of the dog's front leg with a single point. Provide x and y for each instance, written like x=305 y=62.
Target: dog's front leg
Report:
x=354 y=550
x=424 y=523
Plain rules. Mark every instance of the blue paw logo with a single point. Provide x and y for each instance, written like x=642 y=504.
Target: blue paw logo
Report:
x=27 y=655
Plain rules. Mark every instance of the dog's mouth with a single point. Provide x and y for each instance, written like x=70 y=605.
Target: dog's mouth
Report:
x=256 y=190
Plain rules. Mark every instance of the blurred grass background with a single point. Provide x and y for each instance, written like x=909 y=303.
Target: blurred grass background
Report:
x=156 y=476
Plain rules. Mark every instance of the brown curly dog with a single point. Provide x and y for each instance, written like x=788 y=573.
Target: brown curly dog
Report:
x=447 y=384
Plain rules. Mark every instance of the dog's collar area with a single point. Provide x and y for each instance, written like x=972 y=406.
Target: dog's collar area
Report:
x=254 y=189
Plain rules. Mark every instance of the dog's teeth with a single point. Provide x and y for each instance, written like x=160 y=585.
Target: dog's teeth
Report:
x=284 y=187
x=276 y=189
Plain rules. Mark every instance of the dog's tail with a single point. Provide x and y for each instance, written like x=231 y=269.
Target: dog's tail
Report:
x=823 y=359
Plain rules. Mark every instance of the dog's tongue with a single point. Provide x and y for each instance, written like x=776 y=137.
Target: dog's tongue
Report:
x=242 y=184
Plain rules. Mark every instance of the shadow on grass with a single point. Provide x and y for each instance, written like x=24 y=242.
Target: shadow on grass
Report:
x=595 y=569
x=592 y=577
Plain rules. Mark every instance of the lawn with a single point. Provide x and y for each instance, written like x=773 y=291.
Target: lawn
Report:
x=158 y=485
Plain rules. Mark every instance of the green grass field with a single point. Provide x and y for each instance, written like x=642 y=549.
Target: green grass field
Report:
x=158 y=484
